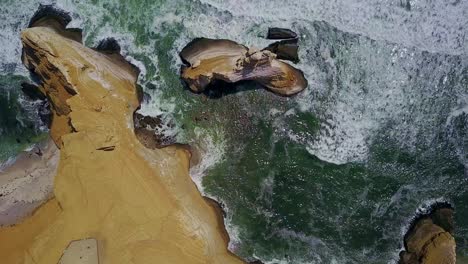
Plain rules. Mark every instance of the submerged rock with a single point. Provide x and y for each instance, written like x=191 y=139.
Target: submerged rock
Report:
x=429 y=240
x=209 y=60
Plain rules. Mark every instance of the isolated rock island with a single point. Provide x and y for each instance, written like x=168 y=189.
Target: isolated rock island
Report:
x=207 y=61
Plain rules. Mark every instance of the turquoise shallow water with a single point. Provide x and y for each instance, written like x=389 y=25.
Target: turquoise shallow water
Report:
x=333 y=175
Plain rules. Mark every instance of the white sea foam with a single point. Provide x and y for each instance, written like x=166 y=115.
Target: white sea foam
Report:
x=13 y=18
x=457 y=136
x=350 y=118
x=424 y=208
x=10 y=161
x=436 y=26
x=211 y=151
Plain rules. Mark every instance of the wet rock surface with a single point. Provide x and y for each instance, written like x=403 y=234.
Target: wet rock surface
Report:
x=210 y=60
x=287 y=48
x=149 y=131
x=108 y=45
x=430 y=240
x=32 y=91
x=281 y=33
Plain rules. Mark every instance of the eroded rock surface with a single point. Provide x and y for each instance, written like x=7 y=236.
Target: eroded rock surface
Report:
x=149 y=130
x=208 y=60
x=429 y=240
x=139 y=204
x=287 y=48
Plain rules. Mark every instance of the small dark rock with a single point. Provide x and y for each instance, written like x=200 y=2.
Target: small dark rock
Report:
x=151 y=86
x=108 y=45
x=285 y=50
x=111 y=48
x=147 y=133
x=256 y=262
x=32 y=91
x=50 y=11
x=281 y=33
x=39 y=152
x=45 y=114
x=145 y=121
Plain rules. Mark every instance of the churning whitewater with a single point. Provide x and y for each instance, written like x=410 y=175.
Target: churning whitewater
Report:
x=333 y=175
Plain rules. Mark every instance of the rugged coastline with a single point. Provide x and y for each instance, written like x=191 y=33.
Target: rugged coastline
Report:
x=429 y=239
x=53 y=209
x=138 y=203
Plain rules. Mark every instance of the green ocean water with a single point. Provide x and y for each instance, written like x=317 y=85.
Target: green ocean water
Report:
x=17 y=128
x=333 y=175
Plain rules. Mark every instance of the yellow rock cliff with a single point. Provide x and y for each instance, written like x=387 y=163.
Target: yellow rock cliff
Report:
x=139 y=204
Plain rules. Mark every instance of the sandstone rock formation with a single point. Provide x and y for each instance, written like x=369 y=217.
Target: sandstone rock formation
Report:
x=429 y=240
x=209 y=60
x=139 y=204
x=32 y=91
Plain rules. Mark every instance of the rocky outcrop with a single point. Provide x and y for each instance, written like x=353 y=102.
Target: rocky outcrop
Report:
x=287 y=48
x=149 y=131
x=209 y=60
x=139 y=204
x=32 y=91
x=429 y=240
x=281 y=33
